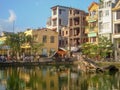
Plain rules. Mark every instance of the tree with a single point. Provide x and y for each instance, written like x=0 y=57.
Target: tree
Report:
x=35 y=46
x=103 y=49
x=90 y=50
x=14 y=41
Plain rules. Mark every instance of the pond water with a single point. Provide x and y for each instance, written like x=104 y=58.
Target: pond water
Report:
x=56 y=78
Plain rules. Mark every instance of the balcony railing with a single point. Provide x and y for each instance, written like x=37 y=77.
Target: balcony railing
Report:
x=91 y=29
x=92 y=19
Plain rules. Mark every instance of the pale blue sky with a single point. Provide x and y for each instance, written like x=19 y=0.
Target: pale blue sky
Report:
x=32 y=13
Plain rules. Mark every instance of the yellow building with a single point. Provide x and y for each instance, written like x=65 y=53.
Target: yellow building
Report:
x=26 y=48
x=3 y=47
x=48 y=38
x=28 y=32
x=92 y=19
x=3 y=51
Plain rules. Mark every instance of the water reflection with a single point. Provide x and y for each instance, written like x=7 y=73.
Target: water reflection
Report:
x=55 y=78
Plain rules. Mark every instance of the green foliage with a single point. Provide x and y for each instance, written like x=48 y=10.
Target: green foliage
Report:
x=14 y=41
x=100 y=50
x=36 y=47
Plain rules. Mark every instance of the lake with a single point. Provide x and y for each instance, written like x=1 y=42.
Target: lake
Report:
x=56 y=78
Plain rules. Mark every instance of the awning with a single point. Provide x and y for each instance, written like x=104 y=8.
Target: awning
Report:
x=61 y=52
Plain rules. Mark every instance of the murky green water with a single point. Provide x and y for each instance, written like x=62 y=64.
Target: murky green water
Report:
x=55 y=78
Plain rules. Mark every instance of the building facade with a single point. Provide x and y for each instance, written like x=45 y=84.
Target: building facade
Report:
x=65 y=38
x=92 y=19
x=116 y=30
x=58 y=19
x=48 y=38
x=76 y=25
x=105 y=18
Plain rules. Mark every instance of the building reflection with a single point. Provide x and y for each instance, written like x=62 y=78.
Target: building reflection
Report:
x=55 y=78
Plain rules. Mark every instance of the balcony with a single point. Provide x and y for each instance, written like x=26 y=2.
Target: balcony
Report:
x=92 y=18
x=91 y=29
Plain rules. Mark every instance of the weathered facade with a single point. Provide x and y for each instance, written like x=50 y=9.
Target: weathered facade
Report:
x=48 y=38
x=76 y=25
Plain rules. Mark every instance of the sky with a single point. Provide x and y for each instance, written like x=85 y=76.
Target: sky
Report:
x=23 y=14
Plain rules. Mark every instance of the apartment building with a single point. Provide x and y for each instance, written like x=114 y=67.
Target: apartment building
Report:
x=58 y=19
x=92 y=19
x=116 y=30
x=105 y=17
x=76 y=25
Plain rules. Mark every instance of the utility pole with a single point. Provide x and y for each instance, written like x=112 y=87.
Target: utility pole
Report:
x=13 y=26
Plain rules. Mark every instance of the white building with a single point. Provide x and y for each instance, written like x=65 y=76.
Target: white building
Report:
x=58 y=19
x=105 y=18
x=116 y=30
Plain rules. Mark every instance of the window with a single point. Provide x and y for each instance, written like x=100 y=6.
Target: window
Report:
x=44 y=39
x=66 y=32
x=44 y=51
x=108 y=4
x=60 y=32
x=59 y=21
x=107 y=13
x=70 y=11
x=118 y=28
x=35 y=37
x=92 y=14
x=106 y=25
x=70 y=22
x=100 y=14
x=119 y=45
x=52 y=50
x=118 y=14
x=54 y=12
x=54 y=22
x=100 y=27
x=52 y=39
x=60 y=11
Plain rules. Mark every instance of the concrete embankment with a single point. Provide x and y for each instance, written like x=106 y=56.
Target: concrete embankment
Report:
x=6 y=64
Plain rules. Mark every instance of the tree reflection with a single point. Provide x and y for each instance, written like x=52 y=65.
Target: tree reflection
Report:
x=58 y=78
x=14 y=82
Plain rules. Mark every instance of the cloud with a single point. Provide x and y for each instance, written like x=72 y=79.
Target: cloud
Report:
x=12 y=16
x=7 y=24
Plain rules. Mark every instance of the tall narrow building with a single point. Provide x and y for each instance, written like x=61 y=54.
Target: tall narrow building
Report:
x=76 y=25
x=58 y=19
x=92 y=19
x=105 y=17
